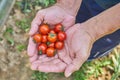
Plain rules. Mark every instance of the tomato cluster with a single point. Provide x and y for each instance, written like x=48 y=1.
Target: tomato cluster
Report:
x=49 y=40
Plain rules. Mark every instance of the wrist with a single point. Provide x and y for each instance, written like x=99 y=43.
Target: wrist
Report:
x=90 y=27
x=82 y=29
x=70 y=6
x=104 y=23
x=67 y=9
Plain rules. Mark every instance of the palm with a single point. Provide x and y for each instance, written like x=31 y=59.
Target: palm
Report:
x=75 y=53
x=52 y=16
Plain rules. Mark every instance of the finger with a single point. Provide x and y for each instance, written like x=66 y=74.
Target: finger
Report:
x=44 y=56
x=33 y=58
x=36 y=22
x=31 y=47
x=53 y=18
x=36 y=64
x=53 y=66
x=46 y=59
x=75 y=65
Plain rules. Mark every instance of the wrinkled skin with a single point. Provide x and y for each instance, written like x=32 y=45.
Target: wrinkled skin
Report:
x=77 y=45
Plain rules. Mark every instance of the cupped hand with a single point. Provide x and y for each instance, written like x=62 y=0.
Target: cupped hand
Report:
x=52 y=15
x=79 y=43
x=68 y=60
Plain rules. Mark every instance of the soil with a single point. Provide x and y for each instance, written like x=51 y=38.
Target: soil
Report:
x=14 y=65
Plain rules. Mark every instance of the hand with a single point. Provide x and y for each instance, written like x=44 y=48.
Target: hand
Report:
x=52 y=16
x=70 y=59
x=79 y=43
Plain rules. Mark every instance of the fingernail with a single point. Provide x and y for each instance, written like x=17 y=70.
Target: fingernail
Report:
x=67 y=75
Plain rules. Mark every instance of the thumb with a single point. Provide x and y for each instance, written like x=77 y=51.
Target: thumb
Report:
x=74 y=66
x=36 y=22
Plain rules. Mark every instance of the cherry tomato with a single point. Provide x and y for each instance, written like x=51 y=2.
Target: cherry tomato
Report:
x=59 y=45
x=42 y=48
x=51 y=44
x=37 y=38
x=44 y=38
x=52 y=31
x=50 y=52
x=44 y=29
x=52 y=37
x=58 y=28
x=61 y=36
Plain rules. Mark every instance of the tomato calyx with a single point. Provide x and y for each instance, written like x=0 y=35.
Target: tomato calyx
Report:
x=40 y=52
x=34 y=41
x=52 y=34
x=62 y=28
x=55 y=52
x=48 y=43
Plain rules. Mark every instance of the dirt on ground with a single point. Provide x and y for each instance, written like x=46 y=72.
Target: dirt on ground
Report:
x=14 y=64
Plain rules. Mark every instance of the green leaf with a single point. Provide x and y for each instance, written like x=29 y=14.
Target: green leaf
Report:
x=39 y=76
x=1 y=39
x=11 y=41
x=40 y=52
x=23 y=24
x=9 y=30
x=21 y=47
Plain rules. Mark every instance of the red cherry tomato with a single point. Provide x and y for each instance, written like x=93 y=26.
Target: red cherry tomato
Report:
x=42 y=48
x=58 y=28
x=44 y=38
x=37 y=38
x=44 y=29
x=52 y=37
x=61 y=36
x=51 y=44
x=59 y=45
x=50 y=52
x=52 y=31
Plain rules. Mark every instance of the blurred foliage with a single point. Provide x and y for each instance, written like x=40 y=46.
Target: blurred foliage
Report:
x=116 y=66
x=7 y=34
x=27 y=6
x=39 y=76
x=24 y=24
x=21 y=47
x=94 y=68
